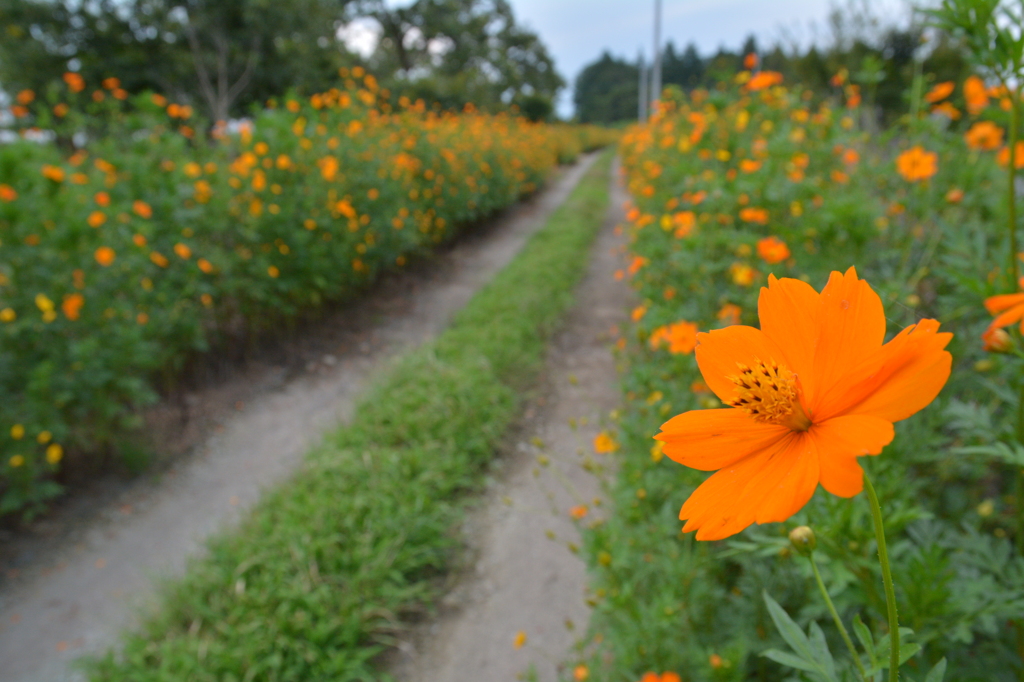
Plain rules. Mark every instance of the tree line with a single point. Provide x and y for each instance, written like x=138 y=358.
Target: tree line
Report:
x=224 y=56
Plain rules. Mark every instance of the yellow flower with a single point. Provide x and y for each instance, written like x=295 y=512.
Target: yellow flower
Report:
x=17 y=432
x=519 y=641
x=54 y=453
x=8 y=315
x=44 y=437
x=16 y=461
x=604 y=443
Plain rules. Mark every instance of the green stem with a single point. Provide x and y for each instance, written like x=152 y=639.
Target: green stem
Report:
x=836 y=619
x=890 y=591
x=1011 y=206
x=1019 y=492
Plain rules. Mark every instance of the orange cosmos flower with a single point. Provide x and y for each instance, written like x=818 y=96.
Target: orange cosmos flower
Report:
x=604 y=443
x=947 y=110
x=917 y=164
x=684 y=222
x=54 y=173
x=578 y=512
x=772 y=250
x=729 y=314
x=105 y=255
x=142 y=209
x=939 y=92
x=664 y=677
x=7 y=193
x=755 y=215
x=1010 y=309
x=1003 y=158
x=750 y=61
x=984 y=135
x=749 y=165
x=763 y=80
x=975 y=94
x=680 y=336
x=742 y=274
x=955 y=195
x=74 y=81
x=72 y=305
x=811 y=390
x=637 y=263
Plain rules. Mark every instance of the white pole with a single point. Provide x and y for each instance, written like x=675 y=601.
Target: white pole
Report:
x=641 y=113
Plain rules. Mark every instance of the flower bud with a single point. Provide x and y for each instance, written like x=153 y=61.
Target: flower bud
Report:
x=803 y=540
x=997 y=341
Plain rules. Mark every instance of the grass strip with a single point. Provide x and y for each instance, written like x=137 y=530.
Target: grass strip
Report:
x=323 y=573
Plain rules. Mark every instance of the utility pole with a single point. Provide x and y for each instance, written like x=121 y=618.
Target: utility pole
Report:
x=655 y=94
x=641 y=113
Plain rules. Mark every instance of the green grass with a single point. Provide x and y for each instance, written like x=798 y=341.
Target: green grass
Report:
x=327 y=568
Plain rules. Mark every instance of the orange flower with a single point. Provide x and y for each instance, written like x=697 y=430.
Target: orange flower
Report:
x=578 y=512
x=975 y=95
x=7 y=193
x=772 y=250
x=72 y=305
x=159 y=259
x=74 y=81
x=205 y=265
x=939 y=92
x=729 y=313
x=638 y=313
x=955 y=195
x=54 y=173
x=763 y=80
x=947 y=110
x=183 y=251
x=680 y=336
x=105 y=255
x=917 y=164
x=684 y=222
x=604 y=443
x=750 y=61
x=742 y=274
x=1003 y=158
x=142 y=209
x=637 y=263
x=755 y=215
x=984 y=135
x=664 y=677
x=97 y=218
x=749 y=165
x=1010 y=308
x=810 y=391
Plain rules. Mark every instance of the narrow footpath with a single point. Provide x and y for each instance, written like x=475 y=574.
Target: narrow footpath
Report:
x=523 y=575
x=60 y=599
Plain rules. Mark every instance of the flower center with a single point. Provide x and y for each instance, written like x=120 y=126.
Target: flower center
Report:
x=769 y=393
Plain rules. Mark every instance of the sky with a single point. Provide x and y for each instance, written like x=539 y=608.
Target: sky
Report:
x=577 y=31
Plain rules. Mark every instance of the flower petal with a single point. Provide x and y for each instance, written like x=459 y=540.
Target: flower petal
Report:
x=994 y=304
x=840 y=441
x=713 y=439
x=769 y=486
x=789 y=310
x=720 y=351
x=852 y=329
x=901 y=378
x=1008 y=317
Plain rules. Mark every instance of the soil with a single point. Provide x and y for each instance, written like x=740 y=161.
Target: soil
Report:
x=69 y=584
x=524 y=574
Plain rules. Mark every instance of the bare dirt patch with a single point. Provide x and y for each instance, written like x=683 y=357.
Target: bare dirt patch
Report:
x=72 y=582
x=521 y=574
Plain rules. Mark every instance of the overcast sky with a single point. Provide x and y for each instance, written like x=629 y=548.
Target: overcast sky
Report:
x=576 y=31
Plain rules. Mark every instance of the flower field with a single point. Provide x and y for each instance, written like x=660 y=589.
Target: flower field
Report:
x=124 y=257
x=740 y=196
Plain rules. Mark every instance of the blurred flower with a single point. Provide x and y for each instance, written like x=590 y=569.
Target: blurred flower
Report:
x=917 y=164
x=939 y=92
x=784 y=435
x=1003 y=158
x=742 y=274
x=604 y=443
x=984 y=135
x=975 y=94
x=955 y=195
x=182 y=251
x=750 y=61
x=142 y=209
x=53 y=173
x=681 y=337
x=72 y=305
x=772 y=250
x=729 y=314
x=97 y=218
x=763 y=80
x=578 y=512
x=74 y=82
x=105 y=256
x=7 y=193
x=54 y=453
x=754 y=215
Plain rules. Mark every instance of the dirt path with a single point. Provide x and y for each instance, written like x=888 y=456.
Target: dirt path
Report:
x=524 y=577
x=73 y=594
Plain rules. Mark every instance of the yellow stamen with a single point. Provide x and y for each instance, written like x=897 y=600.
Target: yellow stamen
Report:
x=770 y=394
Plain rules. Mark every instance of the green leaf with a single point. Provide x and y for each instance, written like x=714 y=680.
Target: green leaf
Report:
x=866 y=640
x=788 y=628
x=821 y=652
x=792 y=661
x=937 y=673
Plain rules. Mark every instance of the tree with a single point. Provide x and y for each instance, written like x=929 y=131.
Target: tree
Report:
x=607 y=91
x=458 y=51
x=232 y=52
